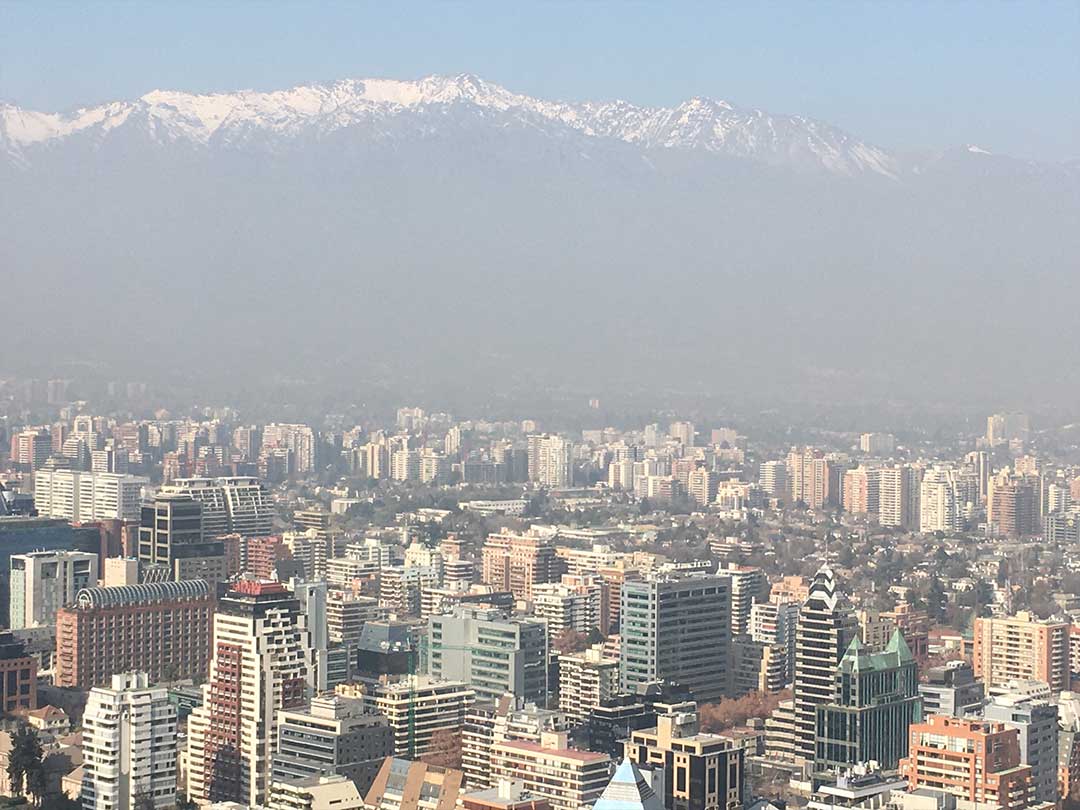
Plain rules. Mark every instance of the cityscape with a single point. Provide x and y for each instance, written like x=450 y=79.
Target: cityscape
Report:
x=466 y=406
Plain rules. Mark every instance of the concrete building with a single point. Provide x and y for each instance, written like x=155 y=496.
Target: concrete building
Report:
x=334 y=735
x=941 y=507
x=875 y=699
x=18 y=675
x=952 y=690
x=699 y=771
x=405 y=785
x=347 y=613
x=129 y=746
x=877 y=444
x=578 y=603
x=420 y=710
x=492 y=653
x=748 y=585
x=973 y=760
x=898 y=496
x=315 y=793
x=1020 y=647
x=1036 y=724
x=160 y=628
x=586 y=680
x=42 y=582
x=506 y=719
x=826 y=627
x=568 y=778
x=774 y=623
x=84 y=497
x=675 y=627
x=258 y=668
x=517 y=562
x=551 y=461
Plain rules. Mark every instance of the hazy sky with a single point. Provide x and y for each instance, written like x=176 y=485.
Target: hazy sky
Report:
x=1005 y=76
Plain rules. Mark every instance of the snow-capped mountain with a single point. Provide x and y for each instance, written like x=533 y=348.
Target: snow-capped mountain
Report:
x=377 y=107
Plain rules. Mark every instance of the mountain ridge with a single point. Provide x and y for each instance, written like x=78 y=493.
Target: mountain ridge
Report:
x=319 y=109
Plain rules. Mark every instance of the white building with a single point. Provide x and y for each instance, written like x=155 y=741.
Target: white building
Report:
x=129 y=746
x=238 y=504
x=88 y=496
x=551 y=461
x=42 y=582
x=940 y=508
x=585 y=680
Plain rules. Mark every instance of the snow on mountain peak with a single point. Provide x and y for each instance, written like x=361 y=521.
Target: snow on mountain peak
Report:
x=698 y=123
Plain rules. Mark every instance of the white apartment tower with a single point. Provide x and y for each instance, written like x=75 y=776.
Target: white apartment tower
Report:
x=129 y=746
x=42 y=582
x=551 y=461
x=88 y=496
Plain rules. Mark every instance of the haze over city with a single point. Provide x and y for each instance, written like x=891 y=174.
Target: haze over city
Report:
x=539 y=406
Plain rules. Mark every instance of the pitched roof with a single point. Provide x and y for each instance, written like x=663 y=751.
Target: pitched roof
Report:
x=628 y=790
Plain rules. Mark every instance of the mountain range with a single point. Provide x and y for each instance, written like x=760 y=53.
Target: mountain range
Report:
x=379 y=106
x=449 y=237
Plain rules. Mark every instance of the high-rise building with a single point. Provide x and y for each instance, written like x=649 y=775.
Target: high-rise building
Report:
x=42 y=582
x=1036 y=724
x=578 y=603
x=1012 y=505
x=682 y=432
x=1002 y=428
x=258 y=667
x=491 y=652
x=773 y=479
x=875 y=699
x=586 y=680
x=160 y=628
x=974 y=760
x=1020 y=647
x=675 y=627
x=551 y=461
x=171 y=539
x=748 y=585
x=18 y=675
x=812 y=480
x=129 y=746
x=297 y=443
x=347 y=613
x=88 y=496
x=877 y=444
x=940 y=506
x=507 y=718
x=334 y=735
x=30 y=449
x=420 y=710
x=517 y=562
x=240 y=505
x=826 y=627
x=700 y=771
x=952 y=690
x=898 y=496
x=568 y=778
x=774 y=623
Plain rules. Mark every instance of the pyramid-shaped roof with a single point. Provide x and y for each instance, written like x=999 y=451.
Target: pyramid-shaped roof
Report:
x=628 y=790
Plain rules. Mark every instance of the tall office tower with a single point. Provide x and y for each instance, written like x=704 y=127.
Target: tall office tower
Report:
x=898 y=496
x=517 y=562
x=171 y=539
x=578 y=603
x=492 y=653
x=586 y=680
x=160 y=628
x=682 y=432
x=1002 y=428
x=248 y=440
x=773 y=479
x=974 y=760
x=258 y=668
x=811 y=478
x=568 y=778
x=506 y=719
x=875 y=699
x=862 y=491
x=1012 y=505
x=952 y=690
x=1021 y=647
x=978 y=461
x=748 y=585
x=86 y=496
x=129 y=746
x=700 y=771
x=334 y=735
x=314 y=625
x=297 y=442
x=877 y=444
x=30 y=449
x=1036 y=724
x=826 y=627
x=18 y=675
x=940 y=505
x=42 y=582
x=551 y=461
x=675 y=627
x=240 y=505
x=420 y=710
x=774 y=623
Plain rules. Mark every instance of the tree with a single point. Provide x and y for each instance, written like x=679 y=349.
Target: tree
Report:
x=444 y=749
x=185 y=803
x=24 y=762
x=730 y=712
x=570 y=641
x=35 y=780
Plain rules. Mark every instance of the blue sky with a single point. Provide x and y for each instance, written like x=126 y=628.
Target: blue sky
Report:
x=1003 y=75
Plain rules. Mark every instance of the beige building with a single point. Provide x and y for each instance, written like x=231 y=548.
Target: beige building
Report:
x=1022 y=647
x=316 y=793
x=566 y=777
x=585 y=680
